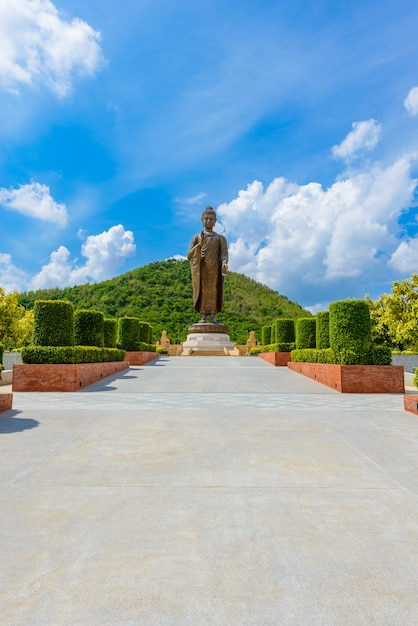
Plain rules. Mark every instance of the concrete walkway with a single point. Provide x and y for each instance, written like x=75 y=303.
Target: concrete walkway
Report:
x=208 y=491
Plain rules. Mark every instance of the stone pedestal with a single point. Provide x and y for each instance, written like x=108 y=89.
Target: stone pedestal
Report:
x=207 y=339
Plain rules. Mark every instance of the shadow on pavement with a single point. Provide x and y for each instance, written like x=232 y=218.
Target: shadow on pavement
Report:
x=10 y=423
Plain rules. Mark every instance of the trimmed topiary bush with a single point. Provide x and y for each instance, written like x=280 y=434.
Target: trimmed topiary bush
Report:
x=265 y=335
x=350 y=332
x=322 y=330
x=53 y=323
x=110 y=328
x=1 y=354
x=305 y=328
x=284 y=330
x=145 y=332
x=88 y=328
x=128 y=333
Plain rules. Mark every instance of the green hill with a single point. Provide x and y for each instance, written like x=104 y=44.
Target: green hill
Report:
x=161 y=294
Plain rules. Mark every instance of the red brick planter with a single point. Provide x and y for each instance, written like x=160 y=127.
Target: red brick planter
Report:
x=6 y=400
x=36 y=377
x=355 y=378
x=410 y=404
x=276 y=358
x=140 y=358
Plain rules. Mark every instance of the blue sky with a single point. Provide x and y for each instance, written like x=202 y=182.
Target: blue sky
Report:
x=297 y=121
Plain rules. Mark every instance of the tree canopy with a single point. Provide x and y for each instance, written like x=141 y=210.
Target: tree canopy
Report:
x=395 y=316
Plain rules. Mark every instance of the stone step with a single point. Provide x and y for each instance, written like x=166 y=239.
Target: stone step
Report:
x=208 y=353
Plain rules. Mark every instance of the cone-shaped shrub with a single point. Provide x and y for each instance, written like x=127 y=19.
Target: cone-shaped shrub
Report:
x=128 y=333
x=284 y=330
x=53 y=323
x=110 y=327
x=305 y=333
x=265 y=335
x=350 y=332
x=322 y=330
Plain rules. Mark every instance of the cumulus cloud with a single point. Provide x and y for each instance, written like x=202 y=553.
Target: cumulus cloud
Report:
x=104 y=253
x=405 y=258
x=364 y=136
x=38 y=46
x=411 y=101
x=34 y=200
x=12 y=278
x=309 y=240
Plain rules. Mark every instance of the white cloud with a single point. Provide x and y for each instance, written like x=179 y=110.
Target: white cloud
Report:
x=34 y=200
x=104 y=253
x=197 y=199
x=411 y=101
x=306 y=241
x=405 y=257
x=11 y=277
x=364 y=136
x=38 y=46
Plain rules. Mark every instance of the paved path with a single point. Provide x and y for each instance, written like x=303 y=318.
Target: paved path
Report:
x=208 y=491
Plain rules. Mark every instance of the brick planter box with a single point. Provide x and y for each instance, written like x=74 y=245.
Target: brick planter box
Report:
x=140 y=358
x=68 y=377
x=354 y=378
x=410 y=404
x=6 y=400
x=278 y=359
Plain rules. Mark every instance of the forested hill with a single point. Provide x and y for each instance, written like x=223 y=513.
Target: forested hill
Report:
x=161 y=294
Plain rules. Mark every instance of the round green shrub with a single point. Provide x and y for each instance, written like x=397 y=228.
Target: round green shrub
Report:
x=322 y=330
x=265 y=335
x=110 y=327
x=284 y=330
x=128 y=333
x=88 y=328
x=350 y=332
x=305 y=328
x=53 y=323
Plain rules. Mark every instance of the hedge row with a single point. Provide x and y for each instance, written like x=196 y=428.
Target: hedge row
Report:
x=278 y=347
x=57 y=324
x=70 y=354
x=377 y=355
x=341 y=335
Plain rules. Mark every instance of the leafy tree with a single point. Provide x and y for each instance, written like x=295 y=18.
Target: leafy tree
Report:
x=395 y=316
x=16 y=324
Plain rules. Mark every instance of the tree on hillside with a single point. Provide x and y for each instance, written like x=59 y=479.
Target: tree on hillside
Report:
x=16 y=324
x=395 y=316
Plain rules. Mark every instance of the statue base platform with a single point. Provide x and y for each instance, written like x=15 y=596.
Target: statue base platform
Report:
x=208 y=327
x=208 y=339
